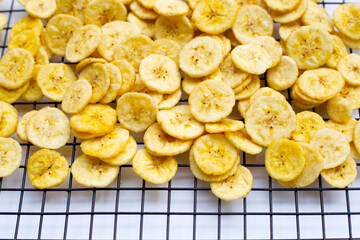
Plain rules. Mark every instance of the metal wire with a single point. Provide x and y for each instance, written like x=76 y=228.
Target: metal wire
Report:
x=196 y=189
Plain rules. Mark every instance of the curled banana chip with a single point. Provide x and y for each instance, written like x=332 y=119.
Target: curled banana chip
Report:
x=342 y=175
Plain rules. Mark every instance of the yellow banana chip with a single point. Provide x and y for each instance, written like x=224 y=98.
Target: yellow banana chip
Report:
x=41 y=8
x=242 y=141
x=339 y=52
x=190 y=83
x=127 y=74
x=316 y=15
x=100 y=12
x=146 y=27
x=10 y=158
x=349 y=66
x=143 y=12
x=171 y=8
x=346 y=128
x=346 y=20
x=27 y=40
x=231 y=74
x=76 y=97
x=8 y=119
x=342 y=175
x=125 y=156
x=352 y=94
x=224 y=125
x=21 y=126
x=307 y=124
x=283 y=75
x=288 y=17
x=170 y=100
x=11 y=96
x=27 y=23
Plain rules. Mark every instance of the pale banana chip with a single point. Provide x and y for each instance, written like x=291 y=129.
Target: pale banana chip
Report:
x=284 y=160
x=136 y=111
x=231 y=74
x=41 y=58
x=94 y=119
x=243 y=106
x=142 y=12
x=190 y=83
x=282 y=6
x=252 y=21
x=342 y=175
x=54 y=80
x=179 y=123
x=171 y=8
x=41 y=8
x=73 y=7
x=48 y=128
x=159 y=73
x=8 y=119
x=87 y=61
x=241 y=140
x=47 y=168
x=334 y=147
x=127 y=74
x=349 y=66
x=286 y=29
x=265 y=91
x=283 y=75
x=27 y=23
x=260 y=3
x=214 y=154
x=356 y=137
x=106 y=146
x=167 y=47
x=211 y=101
x=310 y=47
x=157 y=170
x=16 y=68
x=224 y=125
x=346 y=128
x=272 y=47
x=249 y=89
x=339 y=52
x=244 y=84
x=125 y=156
x=307 y=124
x=351 y=43
x=21 y=126
x=27 y=40
x=339 y=109
x=269 y=118
x=316 y=15
x=86 y=135
x=115 y=83
x=11 y=96
x=147 y=3
x=170 y=100
x=92 y=172
x=58 y=32
x=76 y=97
x=146 y=27
x=353 y=152
x=312 y=169
x=10 y=156
x=251 y=58
x=352 y=94
x=100 y=12
x=294 y=15
x=346 y=19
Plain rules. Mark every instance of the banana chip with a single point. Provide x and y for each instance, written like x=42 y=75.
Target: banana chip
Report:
x=334 y=147
x=167 y=47
x=100 y=12
x=232 y=75
x=349 y=66
x=316 y=15
x=76 y=97
x=283 y=75
x=41 y=8
x=170 y=100
x=190 y=83
x=346 y=20
x=342 y=175
x=73 y=7
x=180 y=123
x=294 y=15
x=47 y=168
x=356 y=137
x=11 y=96
x=265 y=91
x=87 y=61
x=143 y=12
x=284 y=160
x=171 y=8
x=346 y=128
x=243 y=107
x=127 y=74
x=27 y=23
x=146 y=27
x=27 y=40
x=92 y=172
x=21 y=127
x=157 y=170
x=286 y=29
x=125 y=156
x=339 y=52
x=8 y=119
x=272 y=47
x=352 y=94
x=242 y=141
x=10 y=156
x=211 y=101
x=307 y=124
x=224 y=125
x=249 y=89
x=282 y=6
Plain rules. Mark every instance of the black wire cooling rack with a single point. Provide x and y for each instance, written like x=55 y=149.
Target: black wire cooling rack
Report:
x=184 y=208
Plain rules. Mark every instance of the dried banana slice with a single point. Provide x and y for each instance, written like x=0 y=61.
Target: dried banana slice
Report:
x=86 y=135
x=83 y=43
x=146 y=27
x=349 y=66
x=352 y=94
x=346 y=19
x=157 y=170
x=178 y=29
x=106 y=146
x=252 y=21
x=269 y=118
x=127 y=74
x=11 y=96
x=351 y=43
x=356 y=136
x=272 y=47
x=48 y=128
x=249 y=89
x=100 y=12
x=238 y=185
x=136 y=111
x=98 y=76
x=41 y=8
x=215 y=16
x=92 y=172
x=282 y=6
x=339 y=109
x=211 y=101
x=214 y=154
x=21 y=127
x=47 y=168
x=58 y=32
x=241 y=140
x=143 y=12
x=72 y=7
x=115 y=83
x=10 y=156
x=307 y=124
x=87 y=61
x=114 y=34
x=244 y=84
x=288 y=17
x=284 y=160
x=265 y=91
x=224 y=125
x=76 y=97
x=159 y=143
x=334 y=147
x=190 y=83
x=171 y=8
x=232 y=75
x=94 y=119
x=243 y=107
x=27 y=23
x=283 y=75
x=54 y=80
x=16 y=67
x=342 y=175
x=353 y=152
x=346 y=128
x=287 y=28
x=8 y=119
x=125 y=156
x=312 y=169
x=167 y=47
x=200 y=57
x=159 y=73
x=27 y=40
x=179 y=123
x=339 y=52
x=251 y=58
x=316 y=15
x=310 y=47
x=170 y=100
x=147 y=3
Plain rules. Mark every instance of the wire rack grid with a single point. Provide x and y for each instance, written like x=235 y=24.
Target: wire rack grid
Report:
x=184 y=208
